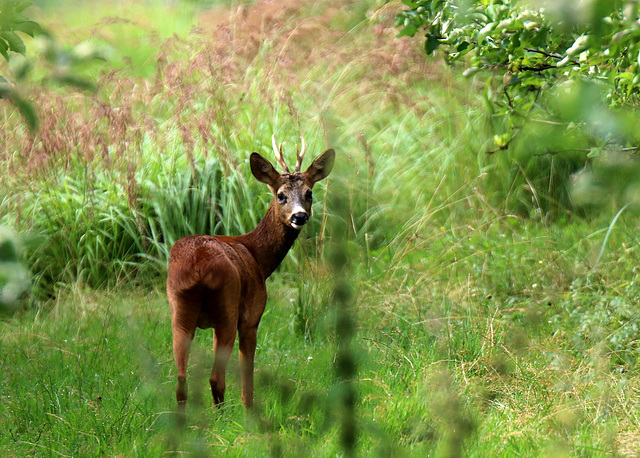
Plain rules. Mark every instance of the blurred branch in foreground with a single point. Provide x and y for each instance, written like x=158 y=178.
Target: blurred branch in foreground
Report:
x=63 y=67
x=14 y=278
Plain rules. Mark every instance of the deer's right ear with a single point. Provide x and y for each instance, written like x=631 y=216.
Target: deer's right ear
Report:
x=263 y=170
x=321 y=166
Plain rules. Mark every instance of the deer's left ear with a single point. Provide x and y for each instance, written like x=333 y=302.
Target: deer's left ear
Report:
x=321 y=167
x=264 y=171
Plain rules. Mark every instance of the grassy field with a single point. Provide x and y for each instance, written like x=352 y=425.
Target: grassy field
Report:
x=478 y=323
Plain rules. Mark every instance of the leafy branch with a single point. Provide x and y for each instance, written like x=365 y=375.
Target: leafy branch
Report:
x=12 y=21
x=62 y=66
x=516 y=40
x=562 y=83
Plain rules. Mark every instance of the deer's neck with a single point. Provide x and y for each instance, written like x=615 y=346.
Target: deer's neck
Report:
x=270 y=241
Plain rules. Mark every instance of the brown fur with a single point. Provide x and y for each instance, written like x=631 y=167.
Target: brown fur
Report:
x=219 y=281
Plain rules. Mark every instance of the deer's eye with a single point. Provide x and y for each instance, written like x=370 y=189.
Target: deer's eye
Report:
x=282 y=198
x=308 y=195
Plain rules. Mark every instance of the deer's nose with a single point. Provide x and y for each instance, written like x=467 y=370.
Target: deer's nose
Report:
x=299 y=219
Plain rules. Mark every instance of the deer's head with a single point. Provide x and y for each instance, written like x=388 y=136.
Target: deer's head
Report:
x=293 y=196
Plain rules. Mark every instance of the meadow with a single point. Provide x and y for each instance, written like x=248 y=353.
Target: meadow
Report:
x=437 y=304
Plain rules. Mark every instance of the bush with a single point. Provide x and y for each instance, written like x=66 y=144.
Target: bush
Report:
x=562 y=83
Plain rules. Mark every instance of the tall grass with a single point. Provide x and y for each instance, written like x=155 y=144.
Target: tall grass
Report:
x=114 y=179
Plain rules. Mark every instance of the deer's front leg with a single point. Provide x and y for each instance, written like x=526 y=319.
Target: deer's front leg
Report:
x=248 y=340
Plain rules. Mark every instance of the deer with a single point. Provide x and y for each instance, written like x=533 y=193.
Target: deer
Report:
x=219 y=282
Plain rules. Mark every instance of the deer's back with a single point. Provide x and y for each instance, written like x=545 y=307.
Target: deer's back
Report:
x=213 y=266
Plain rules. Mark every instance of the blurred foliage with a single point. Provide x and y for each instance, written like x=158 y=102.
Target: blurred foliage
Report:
x=14 y=279
x=563 y=79
x=12 y=21
x=60 y=66
x=605 y=321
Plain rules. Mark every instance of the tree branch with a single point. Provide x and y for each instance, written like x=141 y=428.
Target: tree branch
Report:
x=548 y=54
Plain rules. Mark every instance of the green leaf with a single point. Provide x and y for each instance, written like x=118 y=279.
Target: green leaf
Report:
x=14 y=41
x=502 y=140
x=532 y=82
x=505 y=23
x=9 y=19
x=4 y=87
x=28 y=112
x=594 y=152
x=581 y=43
x=626 y=75
x=471 y=71
x=77 y=82
x=432 y=43
x=21 y=68
x=409 y=30
x=8 y=251
x=22 y=6
x=24 y=107
x=4 y=46
x=462 y=46
x=482 y=34
x=28 y=27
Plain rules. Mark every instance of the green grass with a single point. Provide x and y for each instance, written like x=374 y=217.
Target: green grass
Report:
x=480 y=326
x=94 y=375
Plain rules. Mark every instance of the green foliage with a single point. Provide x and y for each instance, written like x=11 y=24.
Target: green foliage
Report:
x=563 y=80
x=13 y=20
x=62 y=67
x=90 y=235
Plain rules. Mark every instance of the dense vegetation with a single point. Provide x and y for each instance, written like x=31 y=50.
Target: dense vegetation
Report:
x=463 y=320
x=562 y=85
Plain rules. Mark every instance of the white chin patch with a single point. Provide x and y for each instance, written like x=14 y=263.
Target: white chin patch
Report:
x=296 y=226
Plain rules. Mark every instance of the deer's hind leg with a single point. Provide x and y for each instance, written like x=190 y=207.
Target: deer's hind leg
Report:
x=185 y=309
x=225 y=303
x=223 y=340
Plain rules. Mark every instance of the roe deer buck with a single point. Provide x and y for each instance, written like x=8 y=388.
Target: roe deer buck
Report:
x=219 y=281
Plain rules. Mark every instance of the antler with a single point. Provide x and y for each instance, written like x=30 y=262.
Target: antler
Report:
x=300 y=155
x=278 y=152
